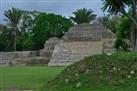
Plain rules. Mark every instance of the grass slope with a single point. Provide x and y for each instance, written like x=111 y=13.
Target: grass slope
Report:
x=12 y=78
x=117 y=72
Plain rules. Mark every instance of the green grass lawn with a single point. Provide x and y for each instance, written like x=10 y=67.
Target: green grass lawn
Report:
x=26 y=77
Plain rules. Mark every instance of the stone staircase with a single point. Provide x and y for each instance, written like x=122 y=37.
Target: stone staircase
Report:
x=48 y=48
x=68 y=53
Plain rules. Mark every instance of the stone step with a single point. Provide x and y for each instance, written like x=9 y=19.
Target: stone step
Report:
x=61 y=63
x=38 y=60
x=70 y=52
x=109 y=50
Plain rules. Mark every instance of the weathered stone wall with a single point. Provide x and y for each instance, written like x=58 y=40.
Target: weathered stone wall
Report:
x=81 y=41
x=16 y=58
x=108 y=45
x=70 y=52
x=23 y=58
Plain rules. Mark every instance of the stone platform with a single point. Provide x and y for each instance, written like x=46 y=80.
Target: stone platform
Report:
x=81 y=41
x=67 y=53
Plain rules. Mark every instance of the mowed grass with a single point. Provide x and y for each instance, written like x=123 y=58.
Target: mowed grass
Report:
x=26 y=77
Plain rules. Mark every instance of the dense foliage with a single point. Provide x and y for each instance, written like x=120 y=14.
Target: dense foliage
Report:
x=49 y=25
x=6 y=42
x=123 y=34
x=83 y=16
x=121 y=26
x=24 y=40
x=120 y=7
x=33 y=30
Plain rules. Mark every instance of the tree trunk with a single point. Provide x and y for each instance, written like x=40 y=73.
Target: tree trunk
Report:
x=14 y=40
x=132 y=36
x=136 y=39
x=134 y=30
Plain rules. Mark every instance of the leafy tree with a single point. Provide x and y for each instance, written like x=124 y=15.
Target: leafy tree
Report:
x=119 y=6
x=123 y=34
x=24 y=42
x=13 y=17
x=49 y=25
x=83 y=16
x=6 y=39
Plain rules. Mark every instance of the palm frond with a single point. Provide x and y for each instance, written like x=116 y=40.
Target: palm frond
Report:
x=83 y=16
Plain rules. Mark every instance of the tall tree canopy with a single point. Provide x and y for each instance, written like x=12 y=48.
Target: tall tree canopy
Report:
x=83 y=16
x=119 y=6
x=49 y=25
x=28 y=30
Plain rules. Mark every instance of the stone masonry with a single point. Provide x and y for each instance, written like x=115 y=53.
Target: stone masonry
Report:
x=81 y=41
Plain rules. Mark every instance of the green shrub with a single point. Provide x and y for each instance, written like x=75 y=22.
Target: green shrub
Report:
x=123 y=34
x=6 y=43
x=121 y=45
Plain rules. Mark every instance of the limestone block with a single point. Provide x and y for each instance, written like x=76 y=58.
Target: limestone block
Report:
x=37 y=61
x=16 y=58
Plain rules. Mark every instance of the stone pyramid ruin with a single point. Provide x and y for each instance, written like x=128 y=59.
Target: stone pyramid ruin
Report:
x=81 y=41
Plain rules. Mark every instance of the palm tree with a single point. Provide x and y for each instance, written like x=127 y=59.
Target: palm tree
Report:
x=28 y=18
x=1 y=28
x=119 y=6
x=13 y=17
x=83 y=16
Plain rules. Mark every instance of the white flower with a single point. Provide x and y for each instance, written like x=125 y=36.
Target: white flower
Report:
x=109 y=54
x=111 y=70
x=78 y=85
x=76 y=75
x=132 y=72
x=129 y=76
x=87 y=70
x=66 y=80
x=114 y=68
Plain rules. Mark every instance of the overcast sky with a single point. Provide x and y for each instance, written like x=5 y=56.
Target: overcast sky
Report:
x=62 y=7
